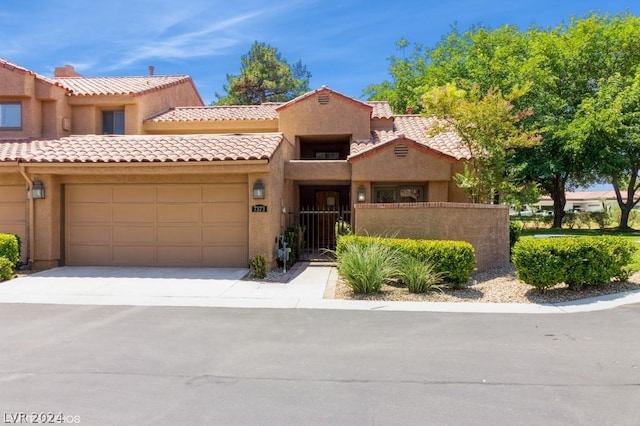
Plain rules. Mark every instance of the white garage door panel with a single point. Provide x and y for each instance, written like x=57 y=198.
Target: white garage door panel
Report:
x=156 y=225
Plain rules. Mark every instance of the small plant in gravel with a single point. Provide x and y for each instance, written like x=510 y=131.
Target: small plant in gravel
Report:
x=258 y=266
x=365 y=267
x=419 y=276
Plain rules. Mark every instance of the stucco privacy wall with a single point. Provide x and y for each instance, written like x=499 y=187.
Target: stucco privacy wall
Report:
x=486 y=227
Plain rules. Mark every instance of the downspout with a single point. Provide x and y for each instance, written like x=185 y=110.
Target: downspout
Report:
x=31 y=223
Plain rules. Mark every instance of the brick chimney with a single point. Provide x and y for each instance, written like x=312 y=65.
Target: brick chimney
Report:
x=152 y=70
x=409 y=110
x=66 y=71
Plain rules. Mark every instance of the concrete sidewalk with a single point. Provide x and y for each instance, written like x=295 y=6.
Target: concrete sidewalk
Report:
x=224 y=287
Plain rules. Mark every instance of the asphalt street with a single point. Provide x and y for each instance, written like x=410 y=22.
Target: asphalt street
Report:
x=116 y=365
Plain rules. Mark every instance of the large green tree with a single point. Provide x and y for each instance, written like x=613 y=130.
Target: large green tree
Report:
x=609 y=125
x=264 y=77
x=561 y=65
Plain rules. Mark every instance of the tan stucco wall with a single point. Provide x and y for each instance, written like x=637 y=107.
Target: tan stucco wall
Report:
x=438 y=191
x=264 y=227
x=486 y=227
x=85 y=120
x=384 y=165
x=47 y=224
x=154 y=102
x=338 y=117
x=43 y=104
x=14 y=84
x=87 y=110
x=456 y=194
x=317 y=170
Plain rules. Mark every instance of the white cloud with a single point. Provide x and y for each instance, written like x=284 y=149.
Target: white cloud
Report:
x=210 y=40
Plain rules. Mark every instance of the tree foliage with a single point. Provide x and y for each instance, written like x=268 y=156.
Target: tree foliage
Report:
x=265 y=77
x=487 y=124
x=562 y=67
x=609 y=125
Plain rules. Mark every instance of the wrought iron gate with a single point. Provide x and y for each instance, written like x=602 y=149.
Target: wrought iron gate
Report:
x=319 y=228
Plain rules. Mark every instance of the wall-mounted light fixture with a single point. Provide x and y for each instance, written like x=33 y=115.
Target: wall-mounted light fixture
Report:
x=258 y=190
x=37 y=190
x=362 y=195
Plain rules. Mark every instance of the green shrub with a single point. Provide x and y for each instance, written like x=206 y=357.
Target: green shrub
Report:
x=258 y=266
x=6 y=269
x=10 y=248
x=455 y=260
x=601 y=218
x=365 y=267
x=515 y=231
x=571 y=220
x=419 y=276
x=583 y=219
x=543 y=263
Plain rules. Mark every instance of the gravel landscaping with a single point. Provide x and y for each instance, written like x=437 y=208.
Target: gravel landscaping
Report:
x=495 y=286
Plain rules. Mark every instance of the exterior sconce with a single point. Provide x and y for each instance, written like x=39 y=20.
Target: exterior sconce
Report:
x=362 y=195
x=258 y=190
x=37 y=190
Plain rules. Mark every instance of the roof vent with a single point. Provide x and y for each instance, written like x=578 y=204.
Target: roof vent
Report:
x=401 y=150
x=323 y=99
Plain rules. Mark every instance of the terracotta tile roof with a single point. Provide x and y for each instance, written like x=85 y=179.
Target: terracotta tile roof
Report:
x=265 y=111
x=136 y=85
x=381 y=109
x=11 y=66
x=413 y=127
x=156 y=148
x=16 y=149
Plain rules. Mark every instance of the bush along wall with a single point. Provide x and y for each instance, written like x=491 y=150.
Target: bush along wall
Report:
x=10 y=248
x=452 y=260
x=543 y=263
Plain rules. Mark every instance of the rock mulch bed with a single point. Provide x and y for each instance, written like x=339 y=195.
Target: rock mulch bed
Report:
x=498 y=285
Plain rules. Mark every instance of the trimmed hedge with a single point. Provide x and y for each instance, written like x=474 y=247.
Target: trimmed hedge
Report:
x=543 y=263
x=6 y=269
x=10 y=248
x=453 y=260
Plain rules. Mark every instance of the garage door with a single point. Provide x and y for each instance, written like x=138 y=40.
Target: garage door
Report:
x=13 y=213
x=156 y=225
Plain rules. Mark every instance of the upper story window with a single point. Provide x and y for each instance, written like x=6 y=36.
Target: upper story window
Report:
x=10 y=116
x=329 y=147
x=113 y=122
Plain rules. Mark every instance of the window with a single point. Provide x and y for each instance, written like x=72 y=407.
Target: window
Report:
x=11 y=116
x=329 y=147
x=398 y=193
x=328 y=155
x=113 y=122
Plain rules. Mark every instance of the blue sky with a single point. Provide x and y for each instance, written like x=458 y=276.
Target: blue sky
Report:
x=345 y=44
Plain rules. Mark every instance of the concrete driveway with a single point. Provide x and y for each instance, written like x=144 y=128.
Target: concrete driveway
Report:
x=162 y=287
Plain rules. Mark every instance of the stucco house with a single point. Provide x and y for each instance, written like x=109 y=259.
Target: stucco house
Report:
x=137 y=171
